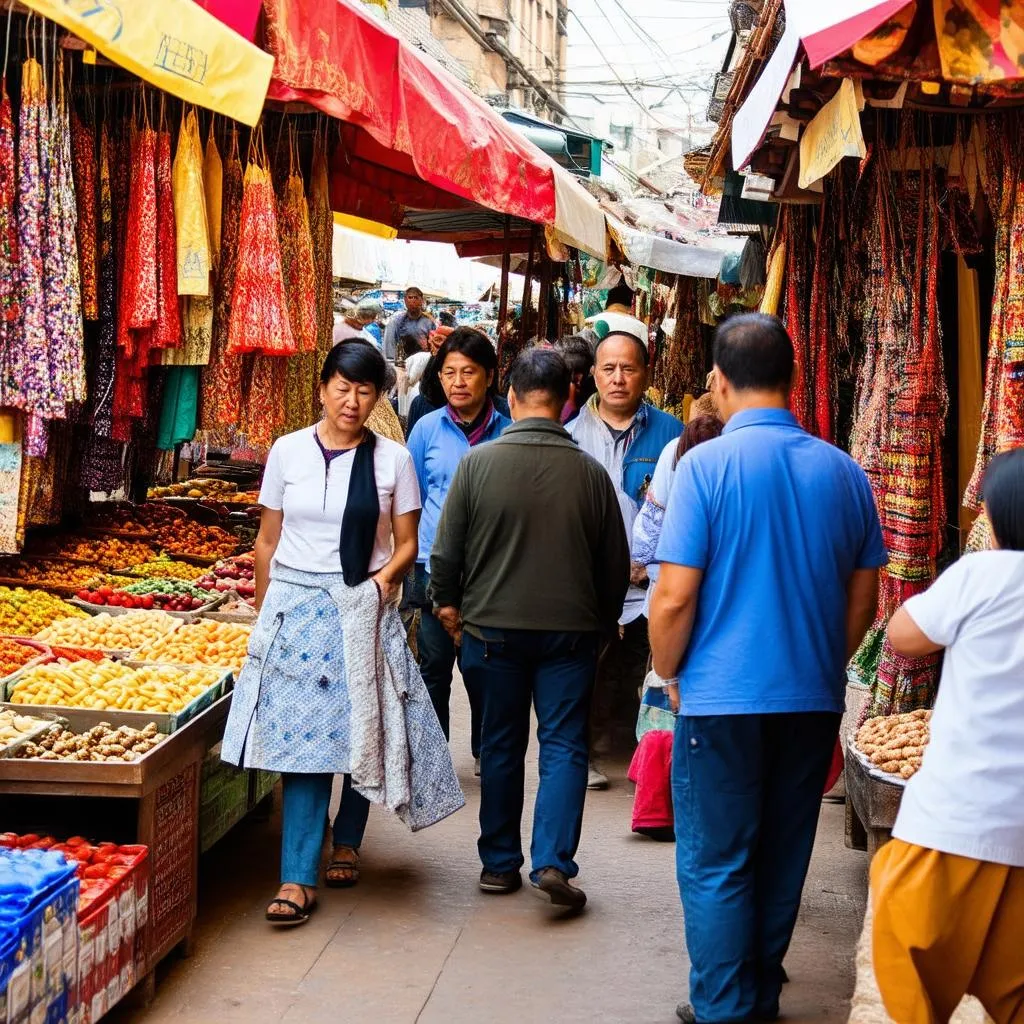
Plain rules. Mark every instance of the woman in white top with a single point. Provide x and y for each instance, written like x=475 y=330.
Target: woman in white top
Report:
x=949 y=889
x=340 y=506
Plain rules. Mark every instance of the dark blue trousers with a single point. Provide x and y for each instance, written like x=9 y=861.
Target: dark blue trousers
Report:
x=747 y=791
x=554 y=672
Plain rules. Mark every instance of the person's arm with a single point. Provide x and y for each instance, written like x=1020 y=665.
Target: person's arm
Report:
x=267 y=539
x=406 y=532
x=611 y=560
x=447 y=558
x=908 y=638
x=861 y=607
x=673 y=610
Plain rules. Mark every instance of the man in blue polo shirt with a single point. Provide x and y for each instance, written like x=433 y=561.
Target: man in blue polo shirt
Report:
x=769 y=556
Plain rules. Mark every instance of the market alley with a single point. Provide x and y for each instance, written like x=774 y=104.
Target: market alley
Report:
x=417 y=941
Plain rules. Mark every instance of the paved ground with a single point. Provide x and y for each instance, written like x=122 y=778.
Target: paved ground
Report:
x=417 y=942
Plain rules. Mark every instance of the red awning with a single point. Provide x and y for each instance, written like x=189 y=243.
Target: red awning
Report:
x=418 y=123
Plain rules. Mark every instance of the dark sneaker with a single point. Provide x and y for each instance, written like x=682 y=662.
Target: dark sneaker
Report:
x=685 y=1012
x=500 y=883
x=553 y=885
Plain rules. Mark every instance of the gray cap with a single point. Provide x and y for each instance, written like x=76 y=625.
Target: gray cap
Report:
x=367 y=310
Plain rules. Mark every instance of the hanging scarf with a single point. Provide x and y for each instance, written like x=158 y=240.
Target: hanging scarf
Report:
x=362 y=512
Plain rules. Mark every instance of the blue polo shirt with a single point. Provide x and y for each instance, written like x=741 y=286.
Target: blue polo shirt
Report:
x=778 y=521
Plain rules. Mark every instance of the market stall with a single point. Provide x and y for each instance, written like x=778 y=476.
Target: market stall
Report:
x=890 y=146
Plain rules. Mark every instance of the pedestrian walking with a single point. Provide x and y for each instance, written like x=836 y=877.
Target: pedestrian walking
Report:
x=579 y=357
x=769 y=553
x=530 y=565
x=626 y=435
x=317 y=697
x=467 y=366
x=948 y=891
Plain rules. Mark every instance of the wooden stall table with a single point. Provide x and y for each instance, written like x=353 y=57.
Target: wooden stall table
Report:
x=164 y=785
x=871 y=805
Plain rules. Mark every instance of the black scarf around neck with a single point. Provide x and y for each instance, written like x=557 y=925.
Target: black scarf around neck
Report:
x=362 y=510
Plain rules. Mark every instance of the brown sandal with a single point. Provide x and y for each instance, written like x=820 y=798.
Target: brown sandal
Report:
x=299 y=913
x=343 y=871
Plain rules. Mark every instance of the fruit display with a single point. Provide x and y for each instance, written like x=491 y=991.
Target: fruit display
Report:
x=52 y=573
x=197 y=540
x=168 y=594
x=895 y=744
x=14 y=727
x=205 y=487
x=113 y=552
x=237 y=574
x=101 y=743
x=26 y=612
x=14 y=655
x=111 y=685
x=200 y=643
x=122 y=520
x=106 y=632
x=167 y=569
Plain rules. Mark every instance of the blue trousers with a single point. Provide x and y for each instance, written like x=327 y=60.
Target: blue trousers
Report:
x=747 y=791
x=438 y=655
x=555 y=673
x=305 y=800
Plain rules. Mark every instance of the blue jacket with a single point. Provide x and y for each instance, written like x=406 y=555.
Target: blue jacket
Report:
x=652 y=430
x=437 y=445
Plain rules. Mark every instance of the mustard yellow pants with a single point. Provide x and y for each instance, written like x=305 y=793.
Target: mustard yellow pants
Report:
x=946 y=927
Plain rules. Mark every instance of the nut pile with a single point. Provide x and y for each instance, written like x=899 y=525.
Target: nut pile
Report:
x=895 y=743
x=101 y=743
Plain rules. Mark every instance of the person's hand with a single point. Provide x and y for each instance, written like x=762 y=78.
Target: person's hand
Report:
x=387 y=586
x=672 y=692
x=452 y=622
x=637 y=574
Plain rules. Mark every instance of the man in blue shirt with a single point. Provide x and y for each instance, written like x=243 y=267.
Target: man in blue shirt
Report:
x=770 y=554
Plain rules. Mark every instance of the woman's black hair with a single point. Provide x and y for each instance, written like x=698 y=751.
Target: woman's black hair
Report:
x=697 y=431
x=357 y=361
x=1003 y=491
x=472 y=344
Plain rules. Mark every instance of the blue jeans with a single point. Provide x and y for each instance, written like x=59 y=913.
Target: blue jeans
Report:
x=305 y=799
x=438 y=655
x=555 y=672
x=746 y=791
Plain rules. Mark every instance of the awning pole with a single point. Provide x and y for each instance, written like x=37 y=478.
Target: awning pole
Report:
x=506 y=263
x=546 y=269
x=524 y=319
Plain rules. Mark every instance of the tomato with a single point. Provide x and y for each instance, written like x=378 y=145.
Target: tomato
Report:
x=75 y=841
x=117 y=871
x=83 y=595
x=96 y=871
x=24 y=842
x=147 y=601
x=105 y=592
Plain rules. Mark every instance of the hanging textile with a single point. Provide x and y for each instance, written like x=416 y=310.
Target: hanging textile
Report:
x=259 y=309
x=139 y=291
x=10 y=301
x=264 y=413
x=190 y=210
x=798 y=238
x=222 y=382
x=321 y=223
x=167 y=335
x=682 y=368
x=213 y=189
x=83 y=151
x=297 y=260
x=180 y=407
x=1003 y=411
x=101 y=388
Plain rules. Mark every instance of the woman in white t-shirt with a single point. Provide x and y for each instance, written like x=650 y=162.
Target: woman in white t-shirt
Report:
x=949 y=889
x=340 y=506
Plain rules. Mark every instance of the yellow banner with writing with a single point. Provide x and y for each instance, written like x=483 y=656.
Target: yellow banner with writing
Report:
x=174 y=45
x=832 y=134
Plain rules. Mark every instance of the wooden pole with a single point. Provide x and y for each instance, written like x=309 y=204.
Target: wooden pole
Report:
x=524 y=320
x=506 y=263
x=543 y=303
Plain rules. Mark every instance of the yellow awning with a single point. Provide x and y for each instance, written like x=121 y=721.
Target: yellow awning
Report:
x=174 y=45
x=367 y=227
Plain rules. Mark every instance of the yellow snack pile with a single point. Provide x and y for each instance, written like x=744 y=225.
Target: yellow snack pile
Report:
x=107 y=632
x=200 y=643
x=25 y=612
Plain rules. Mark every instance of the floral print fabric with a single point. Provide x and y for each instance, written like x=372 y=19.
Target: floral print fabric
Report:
x=83 y=147
x=10 y=303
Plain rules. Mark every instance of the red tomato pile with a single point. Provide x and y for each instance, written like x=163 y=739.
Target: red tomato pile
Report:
x=116 y=599
x=101 y=867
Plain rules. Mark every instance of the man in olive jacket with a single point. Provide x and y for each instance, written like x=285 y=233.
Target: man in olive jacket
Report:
x=530 y=565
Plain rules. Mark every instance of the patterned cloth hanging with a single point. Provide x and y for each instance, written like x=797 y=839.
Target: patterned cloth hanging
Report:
x=139 y=287
x=168 y=332
x=101 y=385
x=83 y=148
x=321 y=226
x=222 y=382
x=264 y=412
x=190 y=210
x=259 y=308
x=10 y=298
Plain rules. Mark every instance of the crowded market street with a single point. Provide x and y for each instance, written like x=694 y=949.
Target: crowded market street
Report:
x=416 y=940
